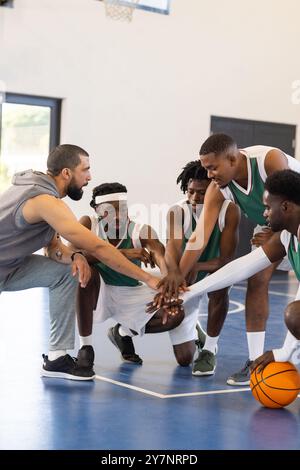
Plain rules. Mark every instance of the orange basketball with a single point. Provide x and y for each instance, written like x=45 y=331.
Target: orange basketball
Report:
x=277 y=385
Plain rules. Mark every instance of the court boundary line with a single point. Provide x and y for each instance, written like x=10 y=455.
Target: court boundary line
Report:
x=188 y=394
x=163 y=396
x=171 y=395
x=281 y=294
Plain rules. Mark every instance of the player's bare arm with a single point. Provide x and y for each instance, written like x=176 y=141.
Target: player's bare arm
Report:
x=58 y=215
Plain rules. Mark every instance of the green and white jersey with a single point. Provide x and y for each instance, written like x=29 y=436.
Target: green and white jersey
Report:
x=292 y=247
x=189 y=225
x=130 y=240
x=250 y=199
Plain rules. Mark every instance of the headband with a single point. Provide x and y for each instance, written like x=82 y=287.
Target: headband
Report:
x=111 y=197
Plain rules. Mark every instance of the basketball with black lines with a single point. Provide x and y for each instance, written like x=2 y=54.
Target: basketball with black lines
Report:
x=277 y=385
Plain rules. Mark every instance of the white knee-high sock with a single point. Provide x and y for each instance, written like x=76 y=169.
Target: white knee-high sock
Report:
x=256 y=342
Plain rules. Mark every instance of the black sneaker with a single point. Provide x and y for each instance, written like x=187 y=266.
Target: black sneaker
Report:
x=86 y=357
x=66 y=367
x=205 y=363
x=124 y=344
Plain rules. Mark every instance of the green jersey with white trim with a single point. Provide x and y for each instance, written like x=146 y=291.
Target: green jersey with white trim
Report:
x=109 y=275
x=250 y=199
x=252 y=203
x=212 y=249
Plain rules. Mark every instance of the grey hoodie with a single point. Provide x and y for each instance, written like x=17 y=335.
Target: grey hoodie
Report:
x=19 y=239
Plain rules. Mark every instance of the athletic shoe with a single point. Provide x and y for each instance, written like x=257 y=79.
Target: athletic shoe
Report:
x=205 y=364
x=124 y=344
x=200 y=342
x=85 y=357
x=66 y=367
x=242 y=377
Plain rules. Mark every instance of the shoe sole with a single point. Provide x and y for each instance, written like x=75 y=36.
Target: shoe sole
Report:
x=113 y=341
x=64 y=375
x=239 y=384
x=209 y=372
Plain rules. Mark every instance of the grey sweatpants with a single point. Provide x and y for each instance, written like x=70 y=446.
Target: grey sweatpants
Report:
x=39 y=271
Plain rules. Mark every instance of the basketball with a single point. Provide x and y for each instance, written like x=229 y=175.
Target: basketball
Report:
x=277 y=385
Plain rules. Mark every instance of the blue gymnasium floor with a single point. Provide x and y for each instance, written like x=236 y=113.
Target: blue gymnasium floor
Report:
x=155 y=406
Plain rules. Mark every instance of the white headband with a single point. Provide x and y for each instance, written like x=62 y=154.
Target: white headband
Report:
x=111 y=197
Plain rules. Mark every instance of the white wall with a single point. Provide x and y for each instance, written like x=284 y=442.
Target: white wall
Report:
x=139 y=96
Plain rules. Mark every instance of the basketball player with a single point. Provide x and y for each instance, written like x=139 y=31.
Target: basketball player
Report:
x=122 y=297
x=182 y=221
x=282 y=211
x=239 y=175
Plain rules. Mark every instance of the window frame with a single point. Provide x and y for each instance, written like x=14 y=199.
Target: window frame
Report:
x=55 y=112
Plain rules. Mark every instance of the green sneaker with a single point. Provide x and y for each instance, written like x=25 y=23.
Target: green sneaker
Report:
x=205 y=364
x=242 y=377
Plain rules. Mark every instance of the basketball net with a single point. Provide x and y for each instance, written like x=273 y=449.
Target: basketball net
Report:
x=117 y=10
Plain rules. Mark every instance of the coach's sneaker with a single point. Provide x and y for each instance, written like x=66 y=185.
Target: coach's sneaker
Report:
x=85 y=357
x=66 y=367
x=124 y=344
x=205 y=364
x=242 y=377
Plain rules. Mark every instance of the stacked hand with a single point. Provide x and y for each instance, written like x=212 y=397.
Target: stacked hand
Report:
x=168 y=298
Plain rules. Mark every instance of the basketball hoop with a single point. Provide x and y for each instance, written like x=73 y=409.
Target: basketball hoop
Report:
x=120 y=10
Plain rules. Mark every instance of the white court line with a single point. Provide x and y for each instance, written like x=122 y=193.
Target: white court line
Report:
x=191 y=394
x=175 y=395
x=131 y=387
x=284 y=294
x=211 y=392
x=239 y=308
x=292 y=281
